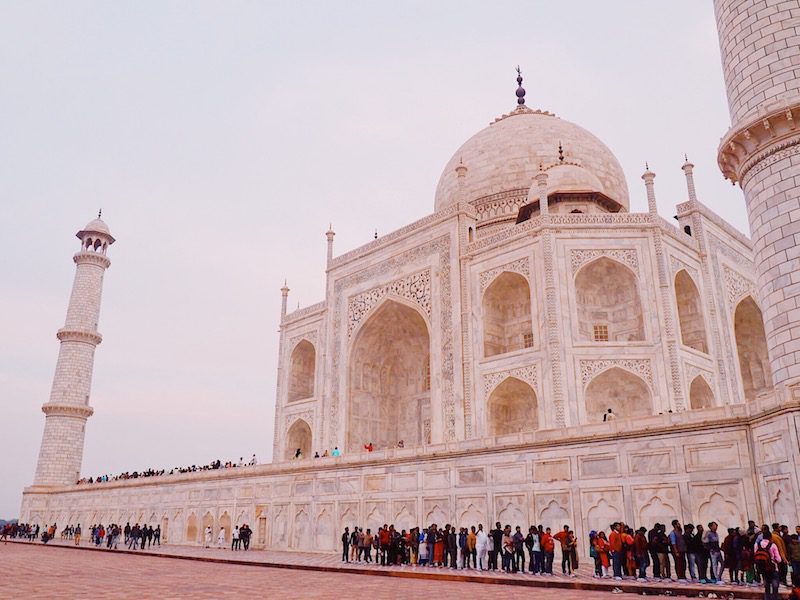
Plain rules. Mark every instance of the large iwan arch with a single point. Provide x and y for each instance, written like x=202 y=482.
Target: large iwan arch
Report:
x=507 y=322
x=690 y=312
x=751 y=346
x=301 y=371
x=389 y=379
x=512 y=408
x=609 y=304
x=626 y=394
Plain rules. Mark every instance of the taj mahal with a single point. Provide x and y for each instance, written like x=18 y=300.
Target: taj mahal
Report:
x=482 y=348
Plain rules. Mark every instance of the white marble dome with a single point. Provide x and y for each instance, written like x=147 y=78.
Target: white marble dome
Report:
x=506 y=156
x=97 y=226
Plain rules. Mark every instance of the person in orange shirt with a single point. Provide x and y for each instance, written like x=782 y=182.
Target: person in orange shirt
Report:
x=615 y=547
x=548 y=550
x=561 y=536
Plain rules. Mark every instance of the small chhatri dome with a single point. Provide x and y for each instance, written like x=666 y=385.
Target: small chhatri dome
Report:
x=505 y=157
x=96 y=226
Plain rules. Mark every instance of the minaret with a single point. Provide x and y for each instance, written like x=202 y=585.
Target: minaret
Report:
x=649 y=179
x=61 y=452
x=329 y=235
x=761 y=152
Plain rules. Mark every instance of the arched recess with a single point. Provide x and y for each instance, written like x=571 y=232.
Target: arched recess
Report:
x=513 y=408
x=164 y=529
x=298 y=436
x=301 y=371
x=751 y=345
x=626 y=394
x=224 y=521
x=208 y=521
x=609 y=304
x=690 y=312
x=507 y=324
x=389 y=377
x=700 y=394
x=191 y=528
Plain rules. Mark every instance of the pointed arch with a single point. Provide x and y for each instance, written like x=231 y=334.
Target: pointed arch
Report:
x=224 y=521
x=626 y=394
x=700 y=394
x=507 y=324
x=389 y=378
x=751 y=346
x=608 y=302
x=690 y=312
x=298 y=437
x=302 y=368
x=512 y=408
x=191 y=528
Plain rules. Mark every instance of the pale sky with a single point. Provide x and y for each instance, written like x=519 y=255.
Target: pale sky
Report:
x=221 y=138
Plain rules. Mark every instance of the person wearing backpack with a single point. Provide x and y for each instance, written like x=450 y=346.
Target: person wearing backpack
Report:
x=767 y=558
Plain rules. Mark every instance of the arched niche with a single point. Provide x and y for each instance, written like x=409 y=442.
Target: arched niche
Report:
x=298 y=436
x=191 y=528
x=389 y=377
x=690 y=312
x=609 y=305
x=301 y=371
x=512 y=408
x=700 y=394
x=626 y=394
x=751 y=346
x=225 y=521
x=507 y=324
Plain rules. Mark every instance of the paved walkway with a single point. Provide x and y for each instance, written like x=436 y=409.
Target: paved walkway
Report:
x=60 y=570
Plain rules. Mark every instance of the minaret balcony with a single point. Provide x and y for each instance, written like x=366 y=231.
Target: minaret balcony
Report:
x=67 y=410
x=79 y=335
x=92 y=258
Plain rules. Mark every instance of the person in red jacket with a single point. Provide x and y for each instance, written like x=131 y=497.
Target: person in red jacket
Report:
x=640 y=552
x=561 y=536
x=548 y=550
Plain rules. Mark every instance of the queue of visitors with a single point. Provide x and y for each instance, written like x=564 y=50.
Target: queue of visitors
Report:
x=755 y=556
x=217 y=464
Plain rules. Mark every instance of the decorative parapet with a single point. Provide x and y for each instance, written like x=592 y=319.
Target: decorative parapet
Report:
x=67 y=410
x=304 y=312
x=760 y=141
x=433 y=219
x=79 y=335
x=689 y=207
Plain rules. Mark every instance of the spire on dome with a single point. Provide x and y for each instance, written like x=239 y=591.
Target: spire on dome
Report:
x=520 y=89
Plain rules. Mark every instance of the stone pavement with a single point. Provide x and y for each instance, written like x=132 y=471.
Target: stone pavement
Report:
x=32 y=570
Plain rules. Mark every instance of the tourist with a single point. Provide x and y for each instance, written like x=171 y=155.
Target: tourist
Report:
x=548 y=551
x=609 y=416
x=368 y=541
x=641 y=553
x=78 y=534
x=507 y=544
x=497 y=545
x=692 y=550
x=561 y=537
x=316 y=454
x=354 y=544
x=778 y=540
x=235 y=538
x=519 y=550
x=794 y=558
x=712 y=546
x=423 y=548
x=127 y=532
x=767 y=559
x=677 y=545
x=534 y=549
x=603 y=552
x=346 y=545
x=209 y=533
x=615 y=549
x=451 y=546
x=472 y=548
x=298 y=454
x=336 y=452
x=438 y=548
x=157 y=535
x=369 y=447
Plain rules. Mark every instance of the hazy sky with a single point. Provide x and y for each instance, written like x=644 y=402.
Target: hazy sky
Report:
x=221 y=138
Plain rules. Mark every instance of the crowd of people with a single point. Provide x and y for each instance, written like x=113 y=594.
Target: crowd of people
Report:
x=217 y=464
x=240 y=537
x=134 y=537
x=753 y=556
